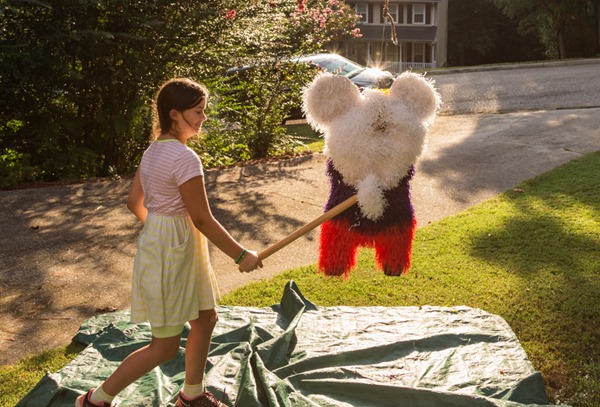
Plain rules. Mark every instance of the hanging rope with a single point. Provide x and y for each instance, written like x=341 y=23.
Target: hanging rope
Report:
x=386 y=14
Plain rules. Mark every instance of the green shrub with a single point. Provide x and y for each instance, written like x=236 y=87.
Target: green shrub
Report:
x=78 y=77
x=15 y=169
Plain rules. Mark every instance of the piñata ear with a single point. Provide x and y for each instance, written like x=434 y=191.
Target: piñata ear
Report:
x=327 y=97
x=417 y=93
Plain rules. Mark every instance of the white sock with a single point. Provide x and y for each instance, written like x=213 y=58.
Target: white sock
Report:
x=99 y=396
x=192 y=391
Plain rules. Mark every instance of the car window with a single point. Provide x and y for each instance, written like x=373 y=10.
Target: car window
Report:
x=338 y=66
x=386 y=82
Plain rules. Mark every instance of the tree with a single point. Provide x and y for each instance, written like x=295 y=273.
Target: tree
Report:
x=77 y=78
x=479 y=33
x=596 y=6
x=259 y=101
x=552 y=20
x=590 y=20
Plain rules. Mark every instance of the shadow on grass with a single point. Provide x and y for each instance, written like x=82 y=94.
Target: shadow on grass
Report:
x=550 y=239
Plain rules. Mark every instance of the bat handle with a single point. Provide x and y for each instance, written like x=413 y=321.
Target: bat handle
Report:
x=336 y=210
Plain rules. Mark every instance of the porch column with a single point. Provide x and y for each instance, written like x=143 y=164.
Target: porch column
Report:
x=400 y=59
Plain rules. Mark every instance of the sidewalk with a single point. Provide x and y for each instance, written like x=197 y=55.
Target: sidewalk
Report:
x=67 y=252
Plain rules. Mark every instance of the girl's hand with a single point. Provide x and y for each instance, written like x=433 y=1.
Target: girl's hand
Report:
x=250 y=262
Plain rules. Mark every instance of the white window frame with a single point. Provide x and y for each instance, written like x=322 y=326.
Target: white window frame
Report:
x=357 y=8
x=422 y=12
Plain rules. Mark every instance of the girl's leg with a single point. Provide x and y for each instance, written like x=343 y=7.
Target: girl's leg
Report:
x=198 y=345
x=140 y=362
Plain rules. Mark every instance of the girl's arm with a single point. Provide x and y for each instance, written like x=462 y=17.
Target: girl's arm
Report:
x=135 y=201
x=193 y=193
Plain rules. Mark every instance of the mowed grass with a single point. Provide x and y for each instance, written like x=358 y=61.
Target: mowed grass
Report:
x=530 y=255
x=18 y=379
x=306 y=136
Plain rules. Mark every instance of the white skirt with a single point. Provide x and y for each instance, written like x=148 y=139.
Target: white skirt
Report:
x=172 y=275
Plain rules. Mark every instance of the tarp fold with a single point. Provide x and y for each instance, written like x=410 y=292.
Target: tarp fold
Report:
x=297 y=354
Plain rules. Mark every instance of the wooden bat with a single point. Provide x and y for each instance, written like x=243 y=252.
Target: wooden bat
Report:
x=336 y=210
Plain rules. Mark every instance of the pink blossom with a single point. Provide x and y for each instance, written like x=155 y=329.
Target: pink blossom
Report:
x=356 y=33
x=301 y=5
x=229 y=14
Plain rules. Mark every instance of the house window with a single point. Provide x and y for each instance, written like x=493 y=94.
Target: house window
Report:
x=418 y=16
x=363 y=10
x=393 y=9
x=419 y=52
x=392 y=52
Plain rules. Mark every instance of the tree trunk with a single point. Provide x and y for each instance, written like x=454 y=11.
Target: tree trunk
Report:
x=598 y=27
x=560 y=42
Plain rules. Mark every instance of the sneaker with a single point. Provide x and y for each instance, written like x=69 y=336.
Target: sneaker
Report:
x=84 y=401
x=207 y=399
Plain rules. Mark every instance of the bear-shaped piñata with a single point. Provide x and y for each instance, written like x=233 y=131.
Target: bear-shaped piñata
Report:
x=372 y=139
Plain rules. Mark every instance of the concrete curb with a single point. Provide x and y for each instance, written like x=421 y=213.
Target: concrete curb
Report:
x=524 y=65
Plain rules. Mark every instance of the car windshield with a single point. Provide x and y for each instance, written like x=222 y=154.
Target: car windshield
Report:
x=337 y=64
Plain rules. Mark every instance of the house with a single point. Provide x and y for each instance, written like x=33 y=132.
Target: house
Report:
x=421 y=31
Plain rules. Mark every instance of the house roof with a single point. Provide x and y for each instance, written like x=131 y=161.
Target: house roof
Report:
x=404 y=33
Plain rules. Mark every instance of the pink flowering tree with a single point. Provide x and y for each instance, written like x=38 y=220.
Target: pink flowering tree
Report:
x=76 y=78
x=266 y=37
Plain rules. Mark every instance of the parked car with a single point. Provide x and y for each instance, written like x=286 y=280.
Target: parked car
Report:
x=361 y=76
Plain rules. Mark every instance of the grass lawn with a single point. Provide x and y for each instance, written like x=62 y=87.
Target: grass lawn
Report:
x=304 y=134
x=530 y=255
x=18 y=379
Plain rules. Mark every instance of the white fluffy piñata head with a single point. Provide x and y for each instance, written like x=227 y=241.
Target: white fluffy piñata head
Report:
x=372 y=132
x=372 y=137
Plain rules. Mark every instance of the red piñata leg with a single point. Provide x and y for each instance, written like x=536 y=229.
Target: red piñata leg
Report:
x=393 y=249
x=337 y=251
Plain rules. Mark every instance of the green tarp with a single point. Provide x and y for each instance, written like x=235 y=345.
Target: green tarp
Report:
x=297 y=354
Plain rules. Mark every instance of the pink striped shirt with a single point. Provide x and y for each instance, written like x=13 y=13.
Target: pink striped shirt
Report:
x=165 y=165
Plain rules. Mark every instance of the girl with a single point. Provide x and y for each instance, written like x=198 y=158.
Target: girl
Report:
x=172 y=278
